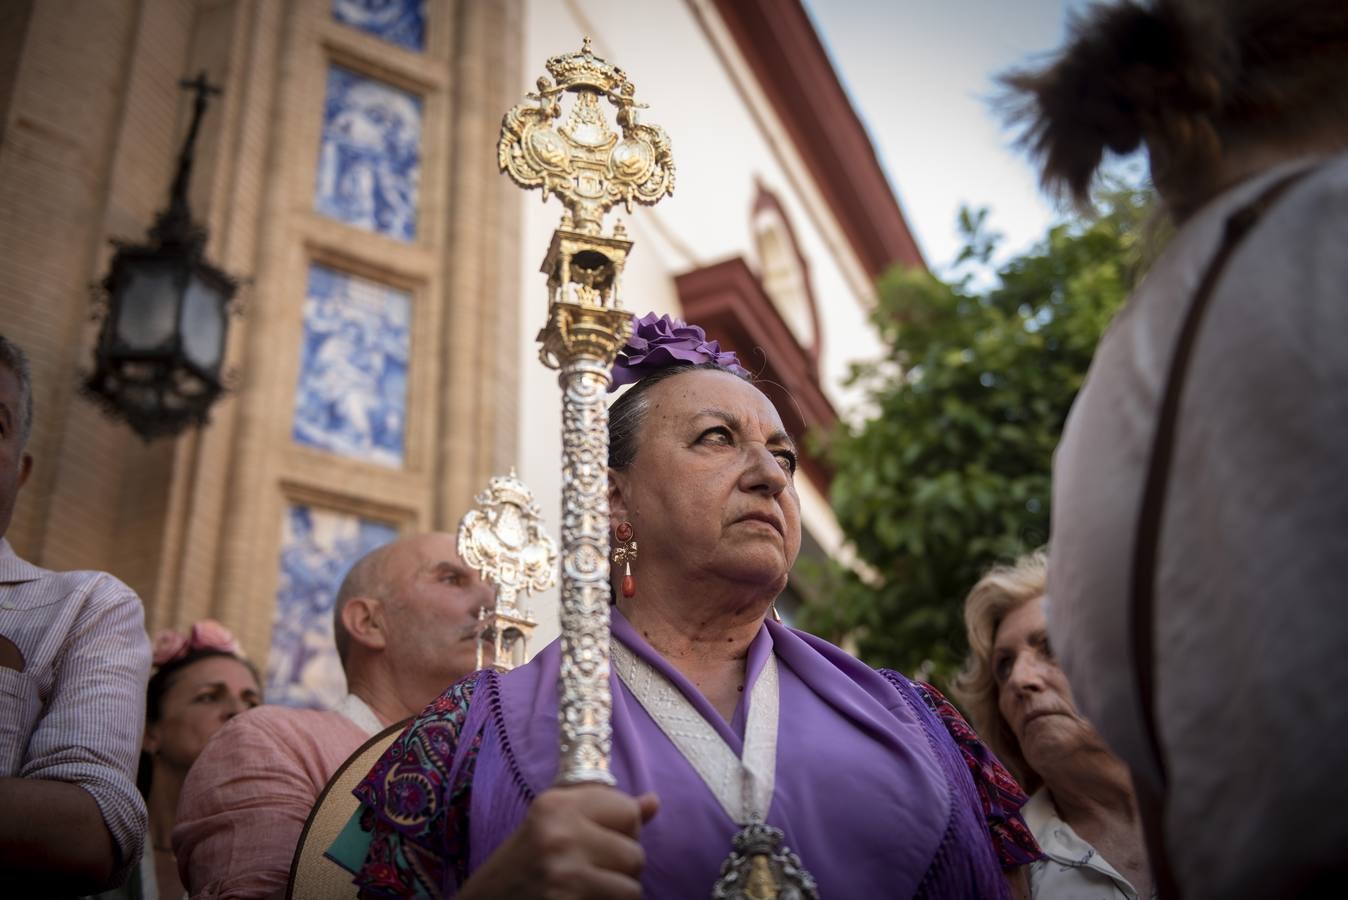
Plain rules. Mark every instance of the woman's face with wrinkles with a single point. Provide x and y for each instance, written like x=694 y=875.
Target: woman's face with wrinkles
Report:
x=712 y=485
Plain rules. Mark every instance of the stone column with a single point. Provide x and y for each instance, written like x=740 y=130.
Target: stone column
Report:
x=480 y=354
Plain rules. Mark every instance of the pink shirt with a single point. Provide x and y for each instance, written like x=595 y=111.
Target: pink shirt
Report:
x=75 y=710
x=247 y=796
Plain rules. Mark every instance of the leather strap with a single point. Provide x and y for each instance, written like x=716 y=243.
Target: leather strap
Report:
x=1146 y=543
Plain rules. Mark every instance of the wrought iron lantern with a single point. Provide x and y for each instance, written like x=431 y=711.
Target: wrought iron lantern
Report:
x=161 y=347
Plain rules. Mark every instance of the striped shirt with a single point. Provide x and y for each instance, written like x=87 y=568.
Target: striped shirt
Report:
x=75 y=710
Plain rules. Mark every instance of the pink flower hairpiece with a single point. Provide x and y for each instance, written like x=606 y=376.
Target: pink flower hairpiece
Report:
x=658 y=342
x=171 y=645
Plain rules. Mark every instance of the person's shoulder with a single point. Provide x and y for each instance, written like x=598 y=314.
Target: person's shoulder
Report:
x=1281 y=298
x=1311 y=204
x=95 y=591
x=104 y=590
x=287 y=721
x=92 y=586
x=451 y=708
x=455 y=698
x=1331 y=176
x=928 y=693
x=1307 y=226
x=814 y=658
x=93 y=607
x=931 y=697
x=274 y=733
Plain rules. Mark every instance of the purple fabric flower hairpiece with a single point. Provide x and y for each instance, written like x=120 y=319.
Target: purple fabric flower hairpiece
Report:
x=658 y=342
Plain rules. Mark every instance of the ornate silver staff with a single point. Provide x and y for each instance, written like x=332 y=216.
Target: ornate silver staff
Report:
x=591 y=168
x=504 y=540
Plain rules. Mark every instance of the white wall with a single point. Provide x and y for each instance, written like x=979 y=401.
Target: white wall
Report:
x=725 y=138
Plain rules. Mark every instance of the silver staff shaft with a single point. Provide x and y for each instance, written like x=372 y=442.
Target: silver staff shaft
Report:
x=585 y=702
x=591 y=168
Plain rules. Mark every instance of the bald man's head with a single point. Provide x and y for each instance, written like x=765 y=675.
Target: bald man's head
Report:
x=366 y=579
x=406 y=620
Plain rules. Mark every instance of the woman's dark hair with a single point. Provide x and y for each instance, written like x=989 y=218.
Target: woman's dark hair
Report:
x=1193 y=80
x=628 y=412
x=13 y=358
x=158 y=686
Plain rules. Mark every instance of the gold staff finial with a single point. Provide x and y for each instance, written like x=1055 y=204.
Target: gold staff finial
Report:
x=583 y=161
x=591 y=168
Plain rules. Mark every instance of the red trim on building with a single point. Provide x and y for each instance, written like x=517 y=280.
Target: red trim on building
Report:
x=793 y=69
x=728 y=300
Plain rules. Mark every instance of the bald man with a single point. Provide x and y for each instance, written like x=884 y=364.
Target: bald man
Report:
x=406 y=625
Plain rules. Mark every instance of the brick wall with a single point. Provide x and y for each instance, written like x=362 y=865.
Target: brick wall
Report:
x=90 y=136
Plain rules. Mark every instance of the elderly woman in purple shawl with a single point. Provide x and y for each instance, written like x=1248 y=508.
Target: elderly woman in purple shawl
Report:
x=749 y=757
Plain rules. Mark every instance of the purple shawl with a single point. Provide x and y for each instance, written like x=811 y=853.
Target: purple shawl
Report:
x=871 y=790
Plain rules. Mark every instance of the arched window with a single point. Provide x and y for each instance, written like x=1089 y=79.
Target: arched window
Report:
x=783 y=271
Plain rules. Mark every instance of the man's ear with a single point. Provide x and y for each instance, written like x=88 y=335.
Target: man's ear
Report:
x=617 y=496
x=364 y=620
x=25 y=467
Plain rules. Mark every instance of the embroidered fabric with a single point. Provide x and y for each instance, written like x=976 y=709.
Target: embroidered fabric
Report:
x=999 y=794
x=414 y=789
x=947 y=877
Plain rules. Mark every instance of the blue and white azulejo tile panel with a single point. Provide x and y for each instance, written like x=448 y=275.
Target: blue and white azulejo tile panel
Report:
x=401 y=22
x=318 y=548
x=369 y=161
x=352 y=393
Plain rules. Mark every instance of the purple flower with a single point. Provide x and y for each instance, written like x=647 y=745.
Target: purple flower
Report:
x=660 y=342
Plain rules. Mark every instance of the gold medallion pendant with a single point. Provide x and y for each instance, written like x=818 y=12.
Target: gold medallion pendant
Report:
x=762 y=867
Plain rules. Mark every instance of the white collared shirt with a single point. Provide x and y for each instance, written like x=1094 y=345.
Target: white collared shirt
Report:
x=1074 y=869
x=358 y=711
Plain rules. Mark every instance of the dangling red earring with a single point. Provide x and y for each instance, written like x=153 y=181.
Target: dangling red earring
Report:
x=624 y=553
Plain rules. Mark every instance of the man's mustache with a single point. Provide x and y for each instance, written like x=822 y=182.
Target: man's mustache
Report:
x=480 y=629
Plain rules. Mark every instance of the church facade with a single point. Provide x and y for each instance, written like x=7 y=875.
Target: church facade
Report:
x=384 y=365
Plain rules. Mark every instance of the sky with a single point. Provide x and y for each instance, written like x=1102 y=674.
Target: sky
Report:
x=921 y=74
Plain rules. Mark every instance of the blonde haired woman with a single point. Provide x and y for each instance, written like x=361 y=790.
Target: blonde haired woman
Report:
x=1082 y=809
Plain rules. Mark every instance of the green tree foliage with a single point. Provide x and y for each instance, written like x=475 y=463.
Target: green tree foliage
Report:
x=951 y=471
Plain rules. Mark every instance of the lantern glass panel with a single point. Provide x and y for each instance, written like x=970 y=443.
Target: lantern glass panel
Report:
x=147 y=309
x=203 y=323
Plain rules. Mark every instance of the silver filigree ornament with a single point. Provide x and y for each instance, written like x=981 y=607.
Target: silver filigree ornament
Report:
x=590 y=166
x=503 y=538
x=762 y=867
